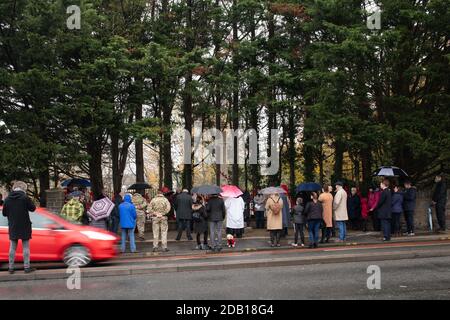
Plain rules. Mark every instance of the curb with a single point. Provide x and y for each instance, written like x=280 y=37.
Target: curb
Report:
x=267 y=248
x=226 y=265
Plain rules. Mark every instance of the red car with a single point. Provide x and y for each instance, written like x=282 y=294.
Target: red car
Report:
x=56 y=239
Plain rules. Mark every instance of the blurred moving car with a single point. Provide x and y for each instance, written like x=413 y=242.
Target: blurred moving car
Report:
x=56 y=239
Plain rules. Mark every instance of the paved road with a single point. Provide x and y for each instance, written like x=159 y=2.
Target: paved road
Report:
x=427 y=278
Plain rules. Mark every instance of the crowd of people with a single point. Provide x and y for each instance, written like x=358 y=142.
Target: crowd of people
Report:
x=329 y=211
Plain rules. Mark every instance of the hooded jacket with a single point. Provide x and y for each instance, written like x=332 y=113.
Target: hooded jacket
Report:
x=17 y=209
x=127 y=212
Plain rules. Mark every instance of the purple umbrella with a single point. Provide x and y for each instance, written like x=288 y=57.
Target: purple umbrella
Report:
x=101 y=209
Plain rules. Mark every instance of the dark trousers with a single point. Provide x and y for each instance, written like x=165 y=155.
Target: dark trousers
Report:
x=355 y=223
x=396 y=222
x=113 y=225
x=409 y=218
x=440 y=214
x=299 y=231
x=259 y=215
x=275 y=236
x=235 y=232
x=205 y=238
x=386 y=228
x=376 y=222
x=326 y=233
x=184 y=224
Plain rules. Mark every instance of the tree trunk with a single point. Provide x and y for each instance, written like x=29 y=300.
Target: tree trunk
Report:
x=44 y=184
x=94 y=150
x=139 y=151
x=167 y=146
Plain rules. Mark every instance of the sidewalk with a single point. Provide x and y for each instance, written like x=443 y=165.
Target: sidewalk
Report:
x=258 y=240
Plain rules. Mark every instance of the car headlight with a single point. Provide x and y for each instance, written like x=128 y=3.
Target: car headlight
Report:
x=98 y=235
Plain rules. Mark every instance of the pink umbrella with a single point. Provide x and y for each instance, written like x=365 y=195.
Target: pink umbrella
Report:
x=230 y=191
x=101 y=209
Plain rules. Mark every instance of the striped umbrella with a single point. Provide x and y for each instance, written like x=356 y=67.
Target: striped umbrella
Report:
x=101 y=209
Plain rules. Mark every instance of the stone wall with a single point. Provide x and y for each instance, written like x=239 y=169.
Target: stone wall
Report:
x=422 y=204
x=55 y=199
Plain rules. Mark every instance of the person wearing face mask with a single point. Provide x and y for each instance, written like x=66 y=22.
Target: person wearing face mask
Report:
x=340 y=211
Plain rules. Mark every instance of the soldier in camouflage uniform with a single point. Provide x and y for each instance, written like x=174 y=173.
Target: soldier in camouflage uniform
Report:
x=141 y=205
x=159 y=208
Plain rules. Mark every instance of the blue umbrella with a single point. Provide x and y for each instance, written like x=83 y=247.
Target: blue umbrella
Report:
x=76 y=182
x=308 y=186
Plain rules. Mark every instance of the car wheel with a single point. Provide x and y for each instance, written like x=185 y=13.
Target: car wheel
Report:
x=76 y=256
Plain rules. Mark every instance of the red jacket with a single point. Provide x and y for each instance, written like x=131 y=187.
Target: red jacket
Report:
x=374 y=197
x=364 y=208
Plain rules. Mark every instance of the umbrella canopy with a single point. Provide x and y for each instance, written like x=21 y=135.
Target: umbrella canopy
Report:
x=308 y=186
x=75 y=194
x=101 y=209
x=139 y=186
x=390 y=172
x=272 y=190
x=230 y=191
x=76 y=182
x=207 y=189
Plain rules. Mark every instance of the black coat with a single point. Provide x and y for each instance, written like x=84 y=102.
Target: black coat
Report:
x=17 y=209
x=354 y=207
x=200 y=226
x=313 y=211
x=384 y=206
x=215 y=209
x=183 y=206
x=440 y=193
x=409 y=199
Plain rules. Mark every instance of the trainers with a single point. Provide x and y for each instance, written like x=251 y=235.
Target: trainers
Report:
x=294 y=244
x=11 y=271
x=302 y=244
x=411 y=234
x=30 y=270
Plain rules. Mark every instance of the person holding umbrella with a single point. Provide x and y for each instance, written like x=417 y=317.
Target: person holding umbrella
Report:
x=216 y=212
x=127 y=213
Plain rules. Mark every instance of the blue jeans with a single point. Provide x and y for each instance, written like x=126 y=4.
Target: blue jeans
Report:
x=342 y=230
x=313 y=230
x=386 y=227
x=130 y=233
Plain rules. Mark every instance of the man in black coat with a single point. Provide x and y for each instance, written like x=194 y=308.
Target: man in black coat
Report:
x=439 y=200
x=384 y=209
x=17 y=209
x=183 y=209
x=354 y=209
x=409 y=205
x=215 y=210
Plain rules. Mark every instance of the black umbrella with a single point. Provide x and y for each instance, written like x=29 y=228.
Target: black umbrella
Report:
x=207 y=189
x=390 y=172
x=139 y=186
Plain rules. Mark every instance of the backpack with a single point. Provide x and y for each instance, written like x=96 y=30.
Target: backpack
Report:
x=276 y=207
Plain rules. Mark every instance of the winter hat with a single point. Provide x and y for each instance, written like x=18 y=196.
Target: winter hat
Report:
x=19 y=186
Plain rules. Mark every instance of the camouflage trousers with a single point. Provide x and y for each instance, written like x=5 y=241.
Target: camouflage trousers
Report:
x=140 y=223
x=160 y=225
